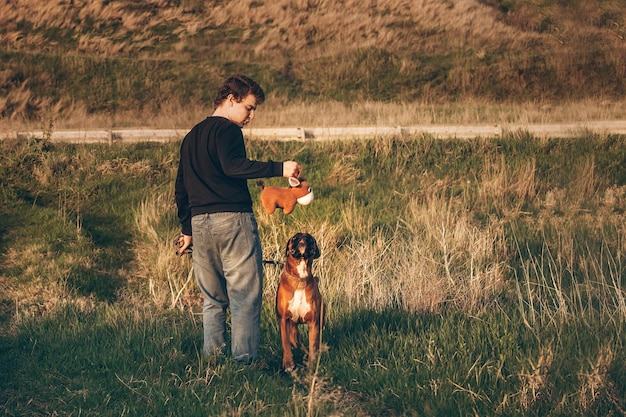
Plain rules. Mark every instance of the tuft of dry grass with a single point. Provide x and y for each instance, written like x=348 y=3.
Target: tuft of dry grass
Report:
x=549 y=293
x=595 y=380
x=534 y=379
x=451 y=259
x=167 y=277
x=507 y=192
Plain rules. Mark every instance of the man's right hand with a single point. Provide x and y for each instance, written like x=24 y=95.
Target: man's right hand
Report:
x=291 y=169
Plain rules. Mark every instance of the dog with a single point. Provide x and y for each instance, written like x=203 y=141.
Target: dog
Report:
x=298 y=299
x=285 y=198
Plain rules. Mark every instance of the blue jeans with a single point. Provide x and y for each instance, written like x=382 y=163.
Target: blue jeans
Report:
x=228 y=266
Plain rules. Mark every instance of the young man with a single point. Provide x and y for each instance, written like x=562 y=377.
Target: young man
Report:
x=215 y=207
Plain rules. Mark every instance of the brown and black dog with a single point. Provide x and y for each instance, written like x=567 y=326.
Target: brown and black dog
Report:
x=298 y=299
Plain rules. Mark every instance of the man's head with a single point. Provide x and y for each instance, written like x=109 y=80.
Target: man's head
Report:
x=239 y=86
x=238 y=98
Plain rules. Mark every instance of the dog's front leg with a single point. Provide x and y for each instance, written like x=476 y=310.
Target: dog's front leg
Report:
x=293 y=333
x=286 y=329
x=314 y=340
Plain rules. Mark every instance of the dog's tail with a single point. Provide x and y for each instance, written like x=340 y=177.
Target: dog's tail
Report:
x=260 y=184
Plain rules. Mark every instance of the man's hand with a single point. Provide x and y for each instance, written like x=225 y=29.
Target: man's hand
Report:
x=291 y=169
x=183 y=243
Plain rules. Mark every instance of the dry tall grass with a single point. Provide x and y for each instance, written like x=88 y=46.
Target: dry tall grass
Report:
x=277 y=113
x=317 y=27
x=167 y=278
x=437 y=256
x=313 y=27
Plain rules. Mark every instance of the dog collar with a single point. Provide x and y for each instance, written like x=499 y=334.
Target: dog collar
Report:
x=296 y=278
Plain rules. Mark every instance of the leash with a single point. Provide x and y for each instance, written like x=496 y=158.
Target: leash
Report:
x=188 y=251
x=273 y=262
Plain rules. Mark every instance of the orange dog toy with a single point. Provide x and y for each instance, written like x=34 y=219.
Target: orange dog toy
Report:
x=286 y=198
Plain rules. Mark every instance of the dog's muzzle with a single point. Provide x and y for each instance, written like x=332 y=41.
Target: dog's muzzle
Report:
x=295 y=253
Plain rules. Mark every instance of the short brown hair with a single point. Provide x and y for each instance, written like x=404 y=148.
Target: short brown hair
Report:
x=239 y=86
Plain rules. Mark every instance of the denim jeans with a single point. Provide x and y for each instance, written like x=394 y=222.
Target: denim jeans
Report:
x=228 y=267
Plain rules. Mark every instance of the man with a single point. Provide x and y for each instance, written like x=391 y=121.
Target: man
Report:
x=215 y=207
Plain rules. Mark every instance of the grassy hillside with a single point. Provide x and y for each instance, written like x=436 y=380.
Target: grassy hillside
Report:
x=131 y=61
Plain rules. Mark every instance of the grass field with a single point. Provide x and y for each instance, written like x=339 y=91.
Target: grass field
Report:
x=462 y=277
x=479 y=277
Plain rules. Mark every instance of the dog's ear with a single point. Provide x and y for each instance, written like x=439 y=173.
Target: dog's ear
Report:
x=291 y=246
x=314 y=248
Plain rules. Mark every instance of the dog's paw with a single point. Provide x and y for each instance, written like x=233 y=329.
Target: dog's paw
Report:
x=289 y=366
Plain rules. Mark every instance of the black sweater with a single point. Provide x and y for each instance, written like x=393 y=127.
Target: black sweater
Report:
x=213 y=171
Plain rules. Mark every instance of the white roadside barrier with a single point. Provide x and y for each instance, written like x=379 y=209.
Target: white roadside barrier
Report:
x=564 y=130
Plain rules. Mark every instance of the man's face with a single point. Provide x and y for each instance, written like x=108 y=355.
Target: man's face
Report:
x=241 y=112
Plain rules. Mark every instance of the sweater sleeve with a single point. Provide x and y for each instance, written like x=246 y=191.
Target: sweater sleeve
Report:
x=235 y=163
x=182 y=202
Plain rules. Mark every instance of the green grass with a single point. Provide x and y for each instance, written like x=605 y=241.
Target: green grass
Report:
x=461 y=277
x=111 y=361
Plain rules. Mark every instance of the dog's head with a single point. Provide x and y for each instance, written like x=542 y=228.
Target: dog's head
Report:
x=302 y=246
